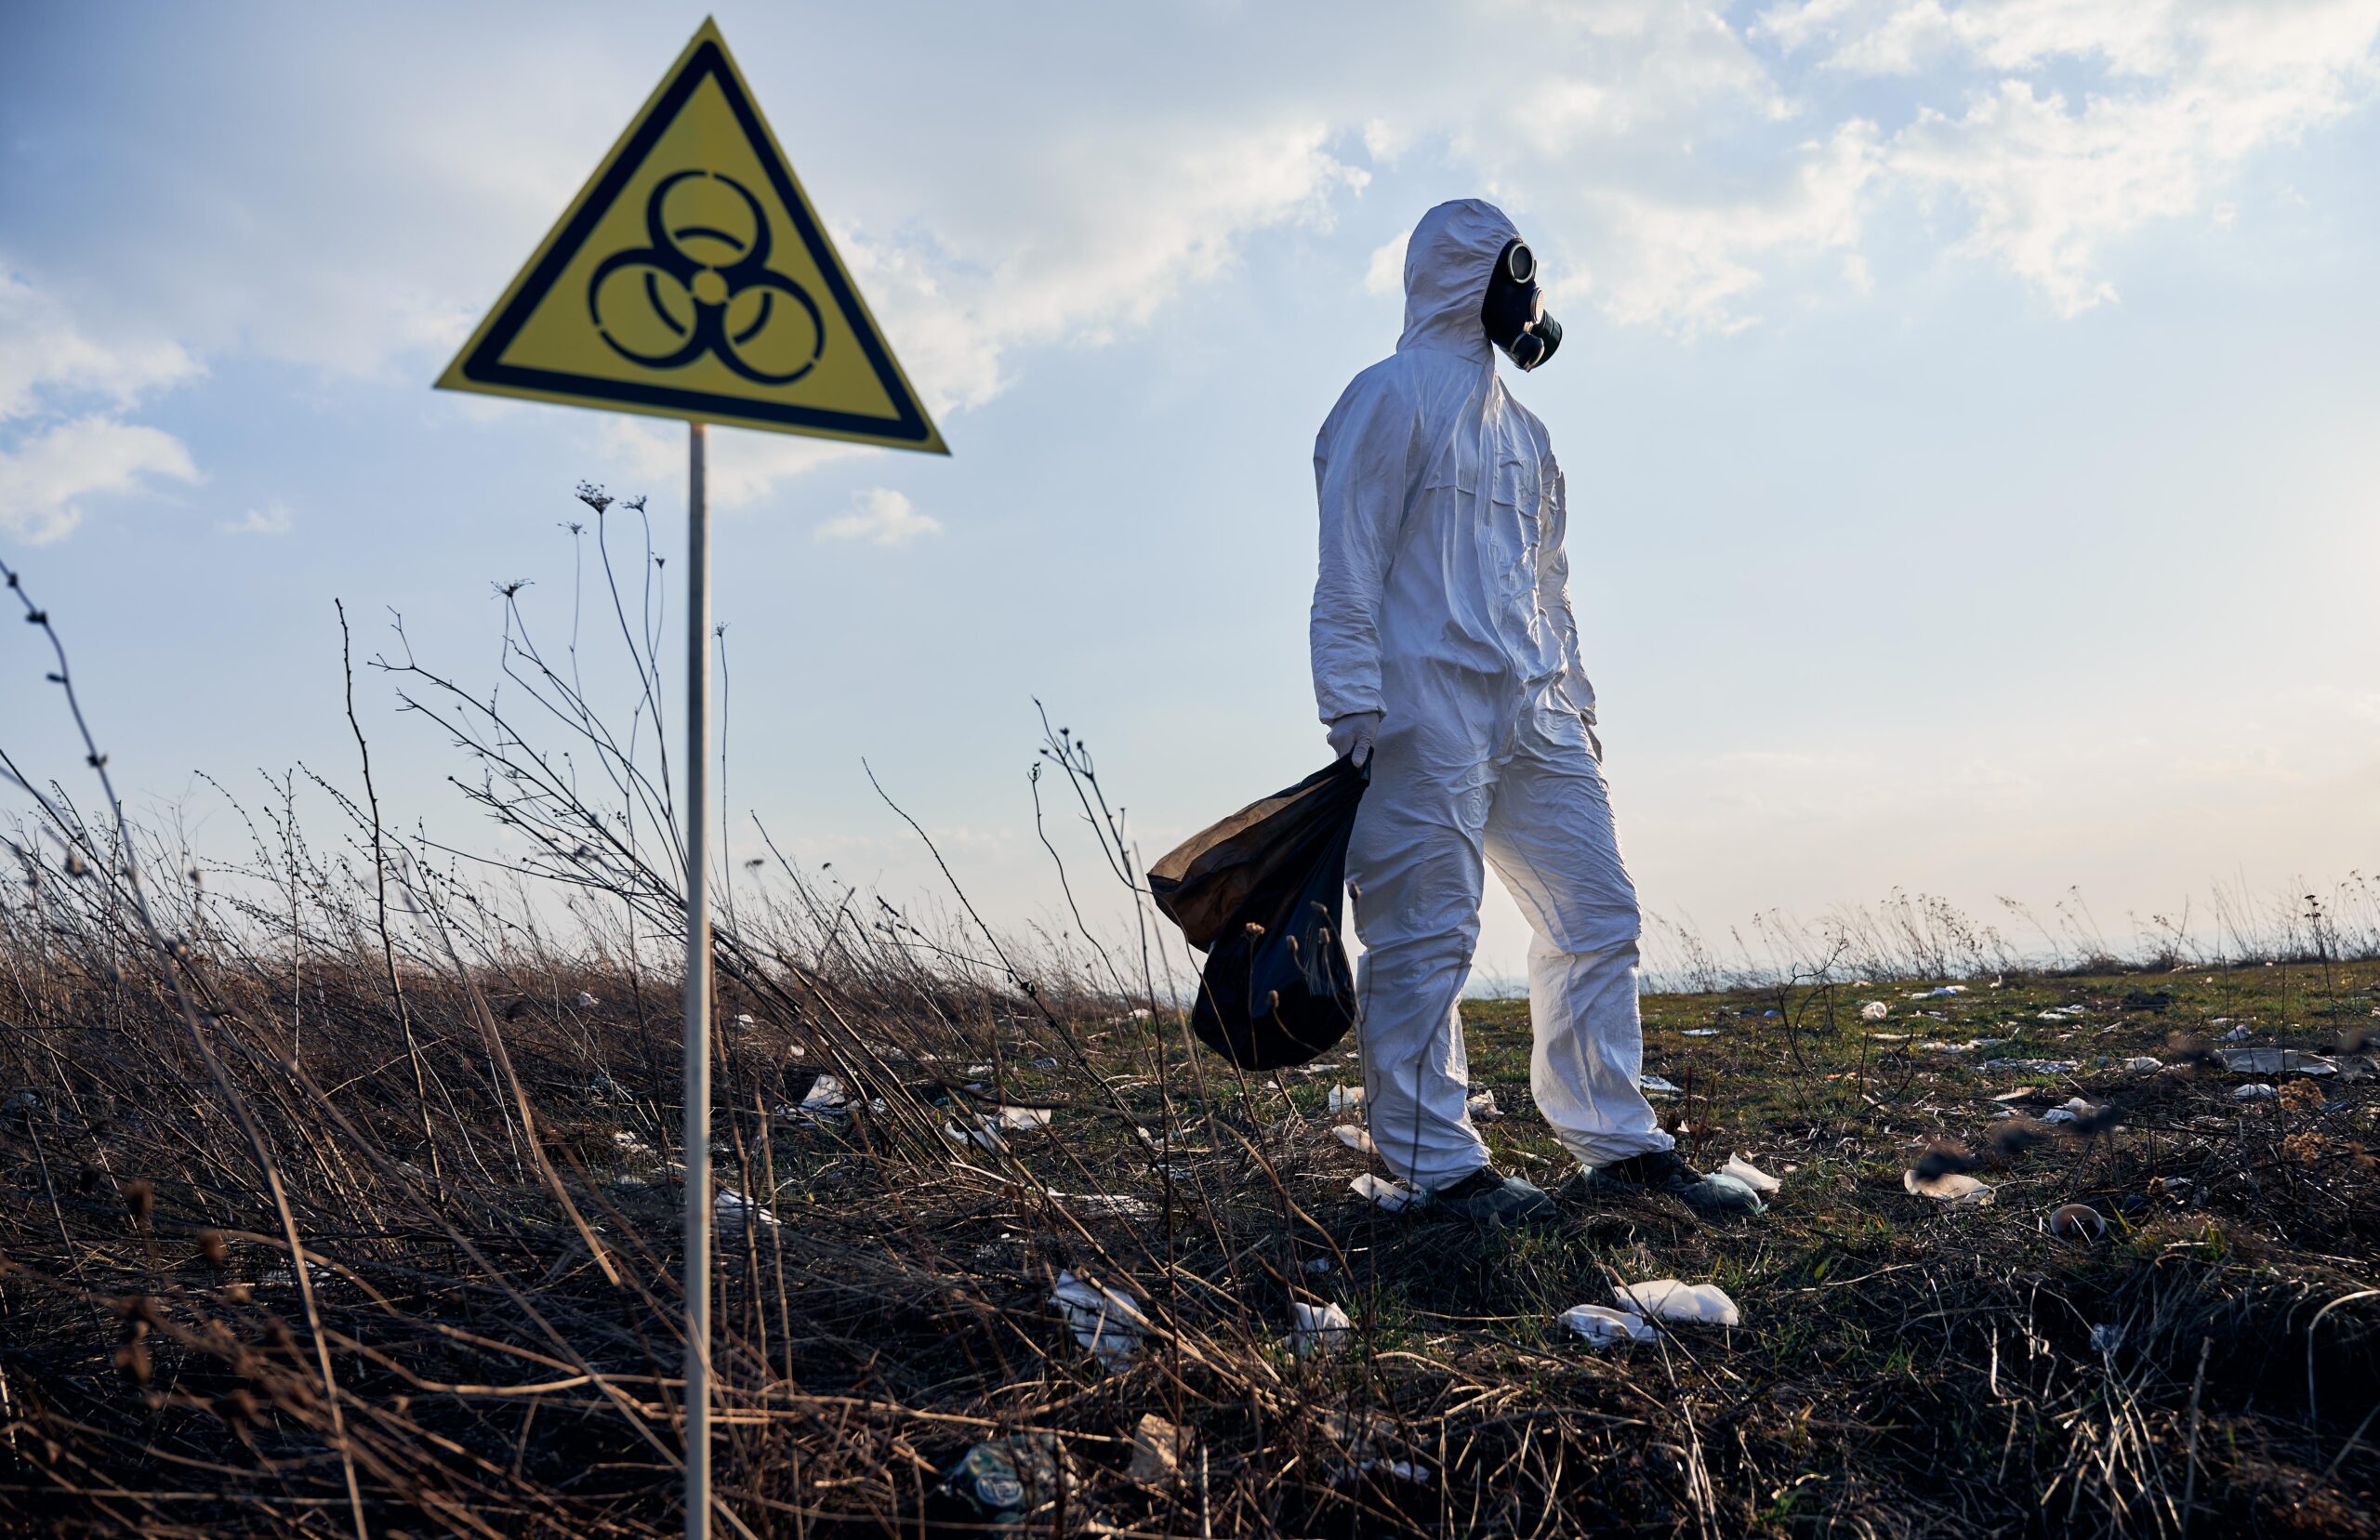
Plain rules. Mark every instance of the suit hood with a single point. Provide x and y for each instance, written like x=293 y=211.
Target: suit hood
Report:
x=1447 y=263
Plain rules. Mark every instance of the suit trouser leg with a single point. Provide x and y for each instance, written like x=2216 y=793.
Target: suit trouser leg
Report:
x=1551 y=838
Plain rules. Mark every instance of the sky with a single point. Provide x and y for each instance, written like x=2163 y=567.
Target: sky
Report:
x=1967 y=409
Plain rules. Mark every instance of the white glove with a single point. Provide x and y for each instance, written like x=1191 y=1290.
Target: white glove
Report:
x=1352 y=735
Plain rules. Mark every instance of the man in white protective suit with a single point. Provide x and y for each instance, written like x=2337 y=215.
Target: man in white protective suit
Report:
x=1446 y=658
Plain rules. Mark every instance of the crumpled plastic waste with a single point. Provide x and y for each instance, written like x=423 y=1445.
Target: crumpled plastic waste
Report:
x=825 y=1098
x=1951 y=1186
x=1345 y=1097
x=2276 y=1061
x=977 y=1129
x=1390 y=1195
x=1001 y=1483
x=1106 y=1321
x=1024 y=1117
x=735 y=1210
x=1107 y=1203
x=629 y=1144
x=2032 y=1066
x=1874 y=1011
x=1701 y=1032
x=2106 y=1338
x=1354 y=1139
x=1940 y=992
x=2072 y=1108
x=586 y=1001
x=2237 y=1034
x=1684 y=1304
x=2063 y=1013
x=2141 y=1065
x=1156 y=1449
x=1750 y=1174
x=1603 y=1325
x=1654 y=1085
x=2253 y=1092
x=1483 y=1105
x=1318 y=1327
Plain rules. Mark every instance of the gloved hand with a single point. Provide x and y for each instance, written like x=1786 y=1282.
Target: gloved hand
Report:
x=1352 y=735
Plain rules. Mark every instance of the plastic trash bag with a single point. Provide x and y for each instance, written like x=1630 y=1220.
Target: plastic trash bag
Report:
x=1390 y=1195
x=1262 y=893
x=1317 y=1326
x=1951 y=1186
x=1750 y=1174
x=1692 y=1304
x=1603 y=1325
x=1106 y=1321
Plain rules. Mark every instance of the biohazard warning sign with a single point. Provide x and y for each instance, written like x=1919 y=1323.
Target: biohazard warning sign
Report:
x=691 y=278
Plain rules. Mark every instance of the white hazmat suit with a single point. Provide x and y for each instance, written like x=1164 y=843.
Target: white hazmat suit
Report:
x=1442 y=604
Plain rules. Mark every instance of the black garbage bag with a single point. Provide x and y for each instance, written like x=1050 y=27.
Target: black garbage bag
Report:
x=1261 y=894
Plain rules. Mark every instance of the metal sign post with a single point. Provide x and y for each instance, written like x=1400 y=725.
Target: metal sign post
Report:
x=691 y=278
x=697 y=1109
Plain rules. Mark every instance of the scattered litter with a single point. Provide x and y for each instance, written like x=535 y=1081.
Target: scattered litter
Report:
x=979 y=1069
x=2073 y=1108
x=1343 y=1098
x=2237 y=1034
x=743 y=1019
x=1049 y=1063
x=735 y=1210
x=604 y=1088
x=586 y=1001
x=1317 y=1264
x=2032 y=1066
x=21 y=1101
x=1483 y=1105
x=1750 y=1174
x=1156 y=1448
x=2254 y=1093
x=2276 y=1061
x=1024 y=1117
x=1940 y=992
x=1702 y=1032
x=2063 y=1013
x=1108 y=1202
x=986 y=1135
x=1390 y=1195
x=2077 y=1222
x=1951 y=1186
x=1874 y=1011
x=1106 y=1321
x=1317 y=1326
x=825 y=1097
x=1403 y=1470
x=1603 y=1325
x=2106 y=1338
x=629 y=1144
x=1006 y=1481
x=2143 y=1064
x=1656 y=1085
x=1354 y=1139
x=1693 y=1304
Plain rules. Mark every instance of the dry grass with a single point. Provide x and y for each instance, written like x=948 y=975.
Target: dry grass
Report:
x=338 y=1192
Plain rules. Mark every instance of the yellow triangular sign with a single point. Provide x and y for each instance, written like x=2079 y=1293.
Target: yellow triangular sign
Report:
x=691 y=278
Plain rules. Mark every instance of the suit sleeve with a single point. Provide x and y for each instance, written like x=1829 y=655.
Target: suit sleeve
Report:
x=1553 y=600
x=1361 y=476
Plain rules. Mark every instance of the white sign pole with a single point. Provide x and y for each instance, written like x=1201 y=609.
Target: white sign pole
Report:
x=698 y=1110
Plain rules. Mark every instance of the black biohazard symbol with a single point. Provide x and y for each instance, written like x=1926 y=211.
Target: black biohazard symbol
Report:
x=663 y=306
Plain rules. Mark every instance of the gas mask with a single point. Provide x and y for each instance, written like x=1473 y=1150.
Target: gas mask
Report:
x=1513 y=311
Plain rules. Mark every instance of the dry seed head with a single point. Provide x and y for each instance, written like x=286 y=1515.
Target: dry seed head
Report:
x=140 y=1201
x=212 y=1250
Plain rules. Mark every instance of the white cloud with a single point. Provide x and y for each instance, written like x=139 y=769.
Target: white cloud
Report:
x=743 y=465
x=2190 y=90
x=880 y=516
x=1385 y=275
x=271 y=519
x=44 y=476
x=44 y=355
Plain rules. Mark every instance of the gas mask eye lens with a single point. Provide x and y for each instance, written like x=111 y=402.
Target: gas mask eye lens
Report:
x=1521 y=263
